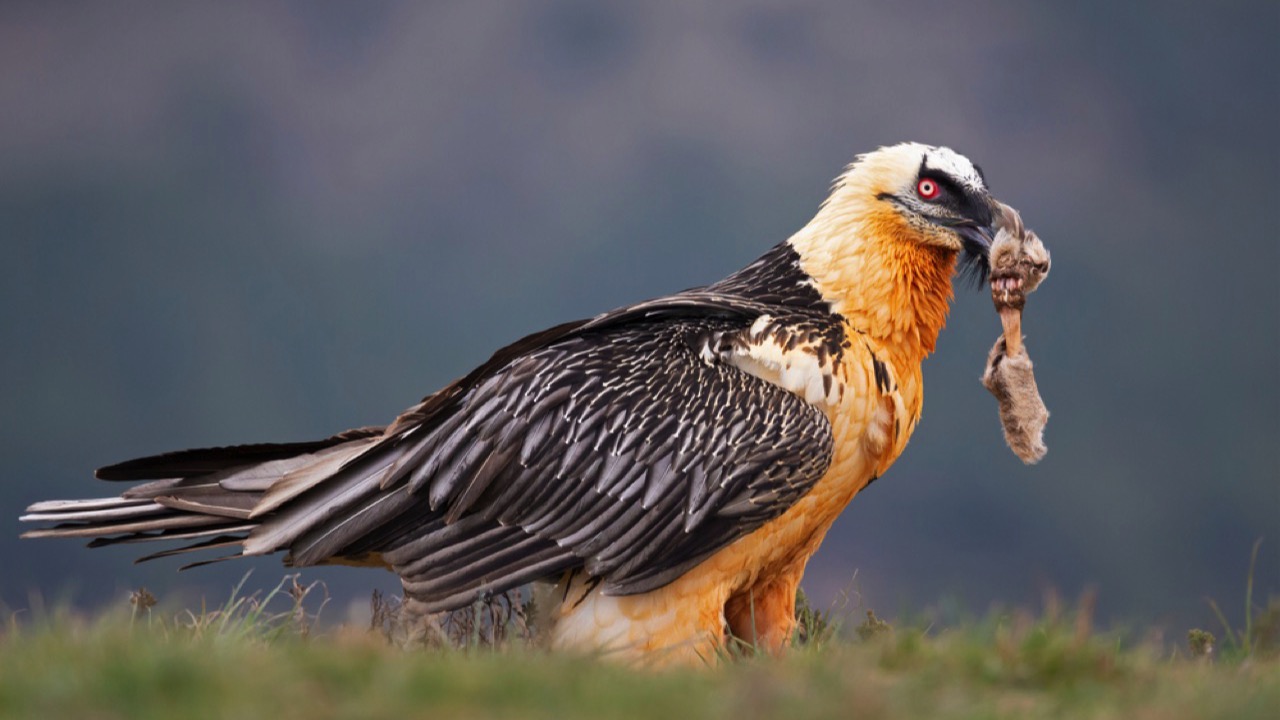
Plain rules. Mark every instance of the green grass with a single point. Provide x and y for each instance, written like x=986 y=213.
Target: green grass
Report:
x=248 y=660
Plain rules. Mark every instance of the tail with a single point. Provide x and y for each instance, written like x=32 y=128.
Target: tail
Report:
x=210 y=495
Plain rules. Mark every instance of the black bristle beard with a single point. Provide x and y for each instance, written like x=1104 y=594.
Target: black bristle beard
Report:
x=975 y=266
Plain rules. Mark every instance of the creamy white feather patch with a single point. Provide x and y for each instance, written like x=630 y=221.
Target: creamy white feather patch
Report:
x=954 y=164
x=761 y=324
x=800 y=369
x=707 y=353
x=876 y=438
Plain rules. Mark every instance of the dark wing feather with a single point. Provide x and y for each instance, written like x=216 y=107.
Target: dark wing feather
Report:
x=202 y=461
x=619 y=450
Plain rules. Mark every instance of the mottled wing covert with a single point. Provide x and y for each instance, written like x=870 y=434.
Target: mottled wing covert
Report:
x=623 y=450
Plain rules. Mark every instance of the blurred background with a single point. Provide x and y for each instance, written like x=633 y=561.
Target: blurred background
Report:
x=255 y=221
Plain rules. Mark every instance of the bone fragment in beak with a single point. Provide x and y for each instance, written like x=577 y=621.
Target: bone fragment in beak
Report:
x=1019 y=261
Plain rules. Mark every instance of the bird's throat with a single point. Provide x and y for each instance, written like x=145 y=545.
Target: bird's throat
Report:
x=876 y=273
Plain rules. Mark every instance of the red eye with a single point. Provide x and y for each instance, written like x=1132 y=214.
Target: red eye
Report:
x=927 y=189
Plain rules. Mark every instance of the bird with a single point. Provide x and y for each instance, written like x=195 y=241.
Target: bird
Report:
x=666 y=468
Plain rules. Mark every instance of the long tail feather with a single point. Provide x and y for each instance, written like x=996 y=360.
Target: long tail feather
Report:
x=215 y=496
x=201 y=461
x=169 y=535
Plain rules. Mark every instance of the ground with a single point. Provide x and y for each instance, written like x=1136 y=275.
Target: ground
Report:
x=246 y=661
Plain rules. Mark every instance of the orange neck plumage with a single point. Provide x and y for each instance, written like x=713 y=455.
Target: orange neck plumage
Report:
x=871 y=266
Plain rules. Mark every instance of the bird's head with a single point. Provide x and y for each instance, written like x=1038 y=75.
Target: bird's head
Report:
x=884 y=246
x=930 y=195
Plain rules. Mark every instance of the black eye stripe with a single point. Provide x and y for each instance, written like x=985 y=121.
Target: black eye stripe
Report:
x=958 y=198
x=945 y=182
x=955 y=196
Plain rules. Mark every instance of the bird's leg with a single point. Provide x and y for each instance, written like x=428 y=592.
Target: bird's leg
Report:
x=764 y=616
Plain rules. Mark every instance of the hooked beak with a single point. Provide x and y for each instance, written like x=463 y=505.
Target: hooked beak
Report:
x=976 y=239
